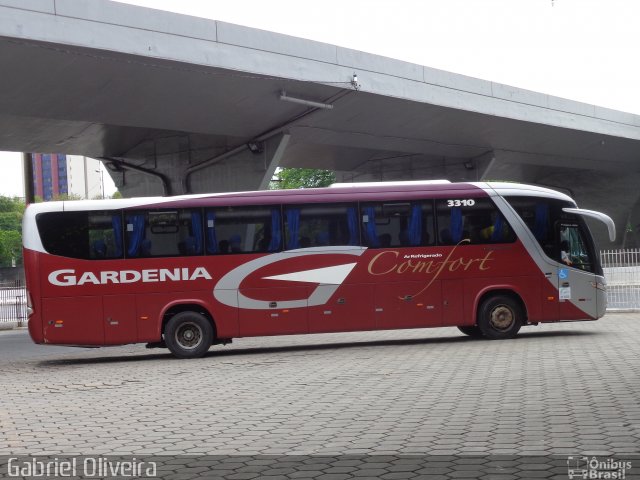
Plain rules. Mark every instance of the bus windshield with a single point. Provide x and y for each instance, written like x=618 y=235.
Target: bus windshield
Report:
x=563 y=236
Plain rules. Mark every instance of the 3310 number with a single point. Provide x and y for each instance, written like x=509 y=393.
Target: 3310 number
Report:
x=461 y=203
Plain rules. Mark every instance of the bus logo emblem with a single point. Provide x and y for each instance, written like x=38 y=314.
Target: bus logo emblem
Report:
x=227 y=290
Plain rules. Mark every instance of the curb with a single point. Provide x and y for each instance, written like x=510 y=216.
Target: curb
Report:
x=7 y=326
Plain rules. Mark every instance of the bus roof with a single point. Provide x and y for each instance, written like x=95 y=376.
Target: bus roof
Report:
x=339 y=192
x=509 y=189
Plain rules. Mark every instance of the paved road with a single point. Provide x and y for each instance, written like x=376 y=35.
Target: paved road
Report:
x=563 y=389
x=16 y=345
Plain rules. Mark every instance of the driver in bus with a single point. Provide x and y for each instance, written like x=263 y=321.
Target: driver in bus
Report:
x=564 y=253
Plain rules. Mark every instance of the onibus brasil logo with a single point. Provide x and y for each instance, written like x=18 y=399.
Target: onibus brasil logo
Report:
x=585 y=468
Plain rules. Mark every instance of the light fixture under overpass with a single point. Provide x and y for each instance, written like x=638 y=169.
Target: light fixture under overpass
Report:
x=255 y=147
x=302 y=101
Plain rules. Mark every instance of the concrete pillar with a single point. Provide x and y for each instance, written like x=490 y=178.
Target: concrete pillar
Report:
x=27 y=169
x=152 y=174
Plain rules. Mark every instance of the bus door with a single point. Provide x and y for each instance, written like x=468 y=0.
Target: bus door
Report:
x=575 y=273
x=400 y=235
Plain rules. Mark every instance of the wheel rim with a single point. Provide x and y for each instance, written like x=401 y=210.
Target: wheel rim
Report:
x=502 y=318
x=189 y=336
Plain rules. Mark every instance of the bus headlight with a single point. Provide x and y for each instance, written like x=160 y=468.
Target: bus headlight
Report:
x=599 y=286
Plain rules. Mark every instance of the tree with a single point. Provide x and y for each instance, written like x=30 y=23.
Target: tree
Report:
x=61 y=197
x=11 y=211
x=67 y=197
x=11 y=204
x=10 y=221
x=303 y=178
x=10 y=248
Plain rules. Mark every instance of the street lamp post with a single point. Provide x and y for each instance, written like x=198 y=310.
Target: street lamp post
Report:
x=101 y=182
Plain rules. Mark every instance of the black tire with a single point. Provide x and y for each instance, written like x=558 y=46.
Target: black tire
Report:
x=473 y=331
x=500 y=317
x=188 y=334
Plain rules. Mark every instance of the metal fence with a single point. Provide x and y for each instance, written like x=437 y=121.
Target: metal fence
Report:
x=622 y=271
x=13 y=303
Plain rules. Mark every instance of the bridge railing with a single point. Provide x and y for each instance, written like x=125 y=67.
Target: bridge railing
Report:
x=13 y=303
x=622 y=271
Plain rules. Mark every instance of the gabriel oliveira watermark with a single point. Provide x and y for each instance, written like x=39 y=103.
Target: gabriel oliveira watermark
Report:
x=88 y=467
x=584 y=467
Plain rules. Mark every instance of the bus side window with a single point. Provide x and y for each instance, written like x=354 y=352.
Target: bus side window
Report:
x=88 y=235
x=163 y=233
x=397 y=224
x=320 y=225
x=471 y=221
x=105 y=235
x=190 y=232
x=541 y=215
x=135 y=233
x=242 y=229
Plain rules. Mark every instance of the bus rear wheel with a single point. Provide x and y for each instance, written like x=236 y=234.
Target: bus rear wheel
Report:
x=472 y=331
x=500 y=317
x=188 y=335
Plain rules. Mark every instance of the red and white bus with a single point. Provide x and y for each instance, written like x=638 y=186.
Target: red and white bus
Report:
x=191 y=271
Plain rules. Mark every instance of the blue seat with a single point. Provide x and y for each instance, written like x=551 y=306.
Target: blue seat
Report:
x=99 y=249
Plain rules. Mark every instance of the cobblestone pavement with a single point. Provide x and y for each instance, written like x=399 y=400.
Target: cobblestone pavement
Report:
x=561 y=389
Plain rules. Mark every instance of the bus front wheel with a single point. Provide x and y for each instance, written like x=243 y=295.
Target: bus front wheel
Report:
x=500 y=317
x=188 y=335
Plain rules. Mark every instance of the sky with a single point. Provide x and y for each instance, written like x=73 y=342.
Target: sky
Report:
x=584 y=50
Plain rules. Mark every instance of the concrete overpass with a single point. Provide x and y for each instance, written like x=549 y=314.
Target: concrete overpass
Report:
x=177 y=104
